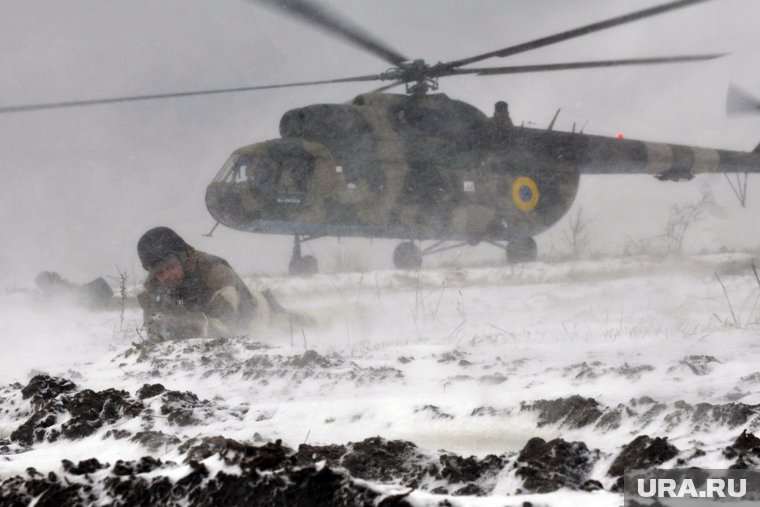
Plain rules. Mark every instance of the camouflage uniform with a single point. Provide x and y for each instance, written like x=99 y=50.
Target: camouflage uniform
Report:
x=211 y=301
x=189 y=293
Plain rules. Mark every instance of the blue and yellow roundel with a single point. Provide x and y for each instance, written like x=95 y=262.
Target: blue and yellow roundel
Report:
x=525 y=193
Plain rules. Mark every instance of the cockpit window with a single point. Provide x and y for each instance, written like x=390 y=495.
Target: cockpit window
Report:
x=236 y=169
x=226 y=170
x=267 y=173
x=242 y=168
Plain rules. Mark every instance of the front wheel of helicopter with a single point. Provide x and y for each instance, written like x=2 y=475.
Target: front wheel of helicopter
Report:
x=303 y=266
x=407 y=256
x=521 y=250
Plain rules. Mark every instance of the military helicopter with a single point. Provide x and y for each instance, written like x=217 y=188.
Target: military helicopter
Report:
x=420 y=166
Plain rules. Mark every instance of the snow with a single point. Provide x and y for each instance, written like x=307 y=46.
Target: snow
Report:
x=411 y=355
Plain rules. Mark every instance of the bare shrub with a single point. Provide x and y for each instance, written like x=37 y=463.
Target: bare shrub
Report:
x=576 y=236
x=682 y=217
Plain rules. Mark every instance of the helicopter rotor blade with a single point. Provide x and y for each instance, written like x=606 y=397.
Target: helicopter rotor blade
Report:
x=740 y=102
x=337 y=26
x=519 y=69
x=135 y=98
x=576 y=32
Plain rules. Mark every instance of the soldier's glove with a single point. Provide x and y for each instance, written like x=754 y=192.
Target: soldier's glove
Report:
x=169 y=326
x=159 y=327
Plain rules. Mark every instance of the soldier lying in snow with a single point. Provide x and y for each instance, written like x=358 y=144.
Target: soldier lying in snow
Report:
x=96 y=294
x=190 y=294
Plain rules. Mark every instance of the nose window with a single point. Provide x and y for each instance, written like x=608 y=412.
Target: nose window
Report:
x=242 y=169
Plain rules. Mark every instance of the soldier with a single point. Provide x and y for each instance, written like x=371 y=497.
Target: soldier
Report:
x=189 y=293
x=96 y=294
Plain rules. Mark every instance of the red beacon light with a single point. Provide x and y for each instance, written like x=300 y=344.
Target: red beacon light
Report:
x=619 y=135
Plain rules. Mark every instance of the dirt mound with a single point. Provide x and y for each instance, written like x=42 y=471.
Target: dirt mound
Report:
x=56 y=412
x=42 y=388
x=641 y=453
x=253 y=361
x=745 y=451
x=549 y=466
x=90 y=410
x=572 y=412
x=268 y=477
x=577 y=412
x=150 y=390
x=381 y=460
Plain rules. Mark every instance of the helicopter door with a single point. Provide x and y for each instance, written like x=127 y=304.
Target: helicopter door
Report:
x=264 y=174
x=282 y=181
x=296 y=172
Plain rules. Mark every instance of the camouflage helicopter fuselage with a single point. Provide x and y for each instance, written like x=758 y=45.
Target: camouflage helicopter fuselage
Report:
x=427 y=167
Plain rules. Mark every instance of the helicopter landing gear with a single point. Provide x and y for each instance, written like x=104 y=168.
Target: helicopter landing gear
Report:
x=407 y=256
x=521 y=250
x=301 y=266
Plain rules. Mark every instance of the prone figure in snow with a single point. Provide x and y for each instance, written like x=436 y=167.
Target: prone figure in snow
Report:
x=191 y=294
x=96 y=294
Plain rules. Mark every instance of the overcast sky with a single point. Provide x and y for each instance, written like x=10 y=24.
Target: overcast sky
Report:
x=81 y=185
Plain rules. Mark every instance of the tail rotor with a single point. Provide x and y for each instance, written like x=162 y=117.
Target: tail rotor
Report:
x=739 y=102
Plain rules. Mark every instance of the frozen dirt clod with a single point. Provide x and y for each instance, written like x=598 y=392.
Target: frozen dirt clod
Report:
x=90 y=410
x=308 y=454
x=477 y=472
x=549 y=466
x=704 y=416
x=42 y=388
x=572 y=412
x=697 y=364
x=383 y=460
x=178 y=407
x=198 y=449
x=641 y=453
x=745 y=451
x=150 y=390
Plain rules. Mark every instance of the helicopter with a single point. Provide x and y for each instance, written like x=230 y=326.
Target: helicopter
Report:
x=419 y=166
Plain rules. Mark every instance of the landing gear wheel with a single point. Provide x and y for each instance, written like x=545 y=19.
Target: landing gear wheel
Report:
x=303 y=266
x=407 y=256
x=521 y=250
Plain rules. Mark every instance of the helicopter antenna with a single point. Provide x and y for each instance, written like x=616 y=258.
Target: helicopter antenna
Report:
x=211 y=232
x=551 y=125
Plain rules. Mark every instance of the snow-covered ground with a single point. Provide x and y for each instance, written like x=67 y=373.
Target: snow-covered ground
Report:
x=473 y=361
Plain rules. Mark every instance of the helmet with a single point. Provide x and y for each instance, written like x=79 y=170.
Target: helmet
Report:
x=157 y=243
x=48 y=280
